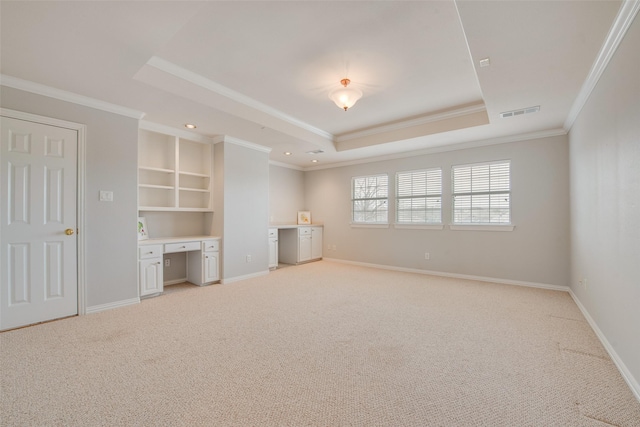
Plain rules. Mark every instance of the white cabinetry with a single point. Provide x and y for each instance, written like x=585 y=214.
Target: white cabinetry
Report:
x=297 y=244
x=204 y=268
x=304 y=244
x=273 y=248
x=316 y=242
x=174 y=173
x=150 y=269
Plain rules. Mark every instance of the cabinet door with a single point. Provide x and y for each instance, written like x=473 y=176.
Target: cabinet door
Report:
x=210 y=261
x=316 y=242
x=273 y=252
x=304 y=248
x=150 y=276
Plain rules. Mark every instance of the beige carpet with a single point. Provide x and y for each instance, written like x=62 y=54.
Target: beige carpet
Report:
x=323 y=344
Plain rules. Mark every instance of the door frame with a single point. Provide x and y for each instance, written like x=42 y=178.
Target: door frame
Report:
x=80 y=199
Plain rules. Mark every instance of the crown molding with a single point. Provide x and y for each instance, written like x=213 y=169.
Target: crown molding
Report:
x=286 y=165
x=63 y=95
x=416 y=121
x=156 y=127
x=623 y=21
x=446 y=148
x=242 y=143
x=198 y=80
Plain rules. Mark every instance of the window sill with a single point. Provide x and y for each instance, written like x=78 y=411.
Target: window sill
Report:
x=361 y=225
x=482 y=227
x=418 y=226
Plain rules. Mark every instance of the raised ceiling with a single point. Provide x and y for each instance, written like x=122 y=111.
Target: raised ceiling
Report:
x=261 y=71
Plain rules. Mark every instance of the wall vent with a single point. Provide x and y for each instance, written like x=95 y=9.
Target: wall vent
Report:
x=315 y=152
x=520 y=112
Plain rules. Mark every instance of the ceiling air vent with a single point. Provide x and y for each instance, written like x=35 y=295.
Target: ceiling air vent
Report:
x=520 y=112
x=315 y=152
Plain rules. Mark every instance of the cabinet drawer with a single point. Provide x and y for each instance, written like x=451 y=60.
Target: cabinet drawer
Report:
x=273 y=232
x=304 y=231
x=181 y=247
x=210 y=245
x=149 y=251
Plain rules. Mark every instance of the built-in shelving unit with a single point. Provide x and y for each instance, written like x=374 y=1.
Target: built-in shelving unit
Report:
x=174 y=173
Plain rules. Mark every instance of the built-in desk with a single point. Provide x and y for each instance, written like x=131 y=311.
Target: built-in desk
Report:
x=295 y=243
x=203 y=254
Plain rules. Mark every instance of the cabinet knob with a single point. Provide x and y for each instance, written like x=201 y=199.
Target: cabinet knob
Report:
x=158 y=263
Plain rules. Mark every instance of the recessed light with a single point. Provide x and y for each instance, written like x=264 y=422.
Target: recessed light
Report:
x=287 y=153
x=314 y=161
x=190 y=126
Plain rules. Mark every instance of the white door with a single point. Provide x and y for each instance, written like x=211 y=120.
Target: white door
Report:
x=151 y=276
x=38 y=254
x=273 y=252
x=304 y=250
x=210 y=267
x=316 y=242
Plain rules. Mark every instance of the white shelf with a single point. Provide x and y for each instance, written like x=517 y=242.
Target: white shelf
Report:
x=174 y=173
x=151 y=169
x=162 y=187
x=193 y=189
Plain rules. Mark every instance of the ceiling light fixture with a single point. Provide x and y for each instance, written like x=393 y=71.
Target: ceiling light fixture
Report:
x=314 y=161
x=345 y=97
x=190 y=126
x=287 y=153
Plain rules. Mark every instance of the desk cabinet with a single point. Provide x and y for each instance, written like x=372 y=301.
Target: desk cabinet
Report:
x=150 y=270
x=273 y=248
x=204 y=268
x=297 y=244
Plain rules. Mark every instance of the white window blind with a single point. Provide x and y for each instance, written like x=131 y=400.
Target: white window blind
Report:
x=482 y=193
x=419 y=197
x=370 y=199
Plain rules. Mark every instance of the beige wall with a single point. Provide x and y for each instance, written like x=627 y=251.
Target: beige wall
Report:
x=605 y=204
x=286 y=194
x=111 y=164
x=537 y=251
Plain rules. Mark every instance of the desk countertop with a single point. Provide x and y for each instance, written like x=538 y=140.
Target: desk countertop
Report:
x=164 y=240
x=283 y=226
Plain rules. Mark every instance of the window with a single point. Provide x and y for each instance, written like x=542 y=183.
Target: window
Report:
x=369 y=198
x=481 y=193
x=419 y=197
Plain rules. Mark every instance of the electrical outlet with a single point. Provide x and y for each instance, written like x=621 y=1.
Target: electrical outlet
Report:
x=167 y=262
x=427 y=256
x=333 y=247
x=248 y=258
x=584 y=283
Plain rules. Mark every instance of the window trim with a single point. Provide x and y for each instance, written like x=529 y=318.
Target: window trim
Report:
x=480 y=226
x=377 y=224
x=417 y=225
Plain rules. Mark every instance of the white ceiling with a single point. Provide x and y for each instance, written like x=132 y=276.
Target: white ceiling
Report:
x=261 y=71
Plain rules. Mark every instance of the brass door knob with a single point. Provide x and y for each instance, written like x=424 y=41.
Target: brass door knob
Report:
x=68 y=231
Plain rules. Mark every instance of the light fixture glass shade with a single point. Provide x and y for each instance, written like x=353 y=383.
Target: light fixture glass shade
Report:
x=345 y=97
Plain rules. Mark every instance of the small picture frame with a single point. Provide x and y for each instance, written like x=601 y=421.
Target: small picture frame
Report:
x=143 y=231
x=304 y=217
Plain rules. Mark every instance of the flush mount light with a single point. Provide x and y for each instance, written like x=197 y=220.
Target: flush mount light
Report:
x=345 y=97
x=287 y=153
x=190 y=126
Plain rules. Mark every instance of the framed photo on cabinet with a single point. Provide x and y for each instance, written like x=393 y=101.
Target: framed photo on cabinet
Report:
x=143 y=232
x=304 y=217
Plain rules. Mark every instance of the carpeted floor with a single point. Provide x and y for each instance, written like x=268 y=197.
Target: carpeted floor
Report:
x=322 y=344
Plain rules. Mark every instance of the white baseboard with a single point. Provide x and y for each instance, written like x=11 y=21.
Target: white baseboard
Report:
x=109 y=306
x=244 y=277
x=455 y=275
x=174 y=282
x=624 y=371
